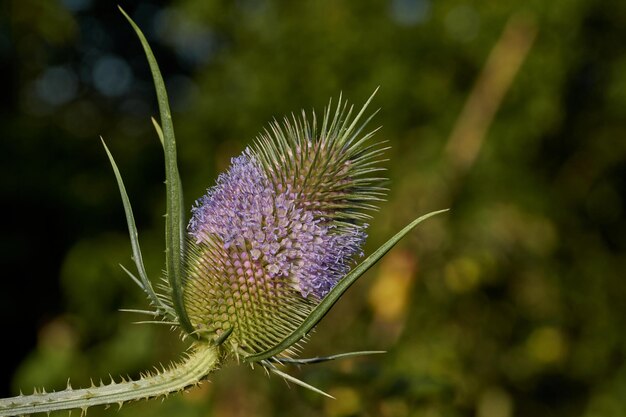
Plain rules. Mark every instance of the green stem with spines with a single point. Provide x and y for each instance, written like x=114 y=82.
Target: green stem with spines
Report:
x=202 y=360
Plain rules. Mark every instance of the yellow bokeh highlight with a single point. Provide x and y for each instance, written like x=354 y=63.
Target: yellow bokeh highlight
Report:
x=462 y=274
x=346 y=403
x=58 y=335
x=546 y=345
x=495 y=402
x=390 y=293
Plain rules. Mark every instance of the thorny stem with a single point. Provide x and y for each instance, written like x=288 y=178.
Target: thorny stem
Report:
x=200 y=362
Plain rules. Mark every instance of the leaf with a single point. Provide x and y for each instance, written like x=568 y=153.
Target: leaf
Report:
x=144 y=282
x=319 y=359
x=174 y=219
x=333 y=296
x=158 y=130
x=295 y=380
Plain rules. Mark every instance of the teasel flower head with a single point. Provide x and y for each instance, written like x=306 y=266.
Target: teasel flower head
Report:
x=281 y=228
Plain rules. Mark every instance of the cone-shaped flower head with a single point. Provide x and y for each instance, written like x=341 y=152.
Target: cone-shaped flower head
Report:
x=279 y=229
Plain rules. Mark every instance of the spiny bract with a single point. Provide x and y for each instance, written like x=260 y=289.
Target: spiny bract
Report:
x=280 y=228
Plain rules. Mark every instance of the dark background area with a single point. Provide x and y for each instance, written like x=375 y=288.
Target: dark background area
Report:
x=510 y=305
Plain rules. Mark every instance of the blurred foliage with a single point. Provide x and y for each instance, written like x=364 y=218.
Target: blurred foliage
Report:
x=511 y=304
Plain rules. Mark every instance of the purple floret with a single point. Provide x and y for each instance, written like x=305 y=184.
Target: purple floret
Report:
x=270 y=235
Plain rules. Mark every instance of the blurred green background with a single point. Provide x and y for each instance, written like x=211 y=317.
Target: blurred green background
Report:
x=511 y=113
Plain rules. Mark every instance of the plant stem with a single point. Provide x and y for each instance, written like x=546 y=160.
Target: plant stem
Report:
x=200 y=362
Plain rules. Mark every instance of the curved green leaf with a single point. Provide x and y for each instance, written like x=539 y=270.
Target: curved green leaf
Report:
x=144 y=282
x=333 y=296
x=320 y=359
x=174 y=219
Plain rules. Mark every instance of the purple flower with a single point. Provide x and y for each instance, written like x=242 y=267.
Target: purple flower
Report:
x=270 y=235
x=279 y=230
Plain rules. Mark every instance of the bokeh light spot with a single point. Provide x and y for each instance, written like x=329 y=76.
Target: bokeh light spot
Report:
x=112 y=76
x=410 y=12
x=546 y=345
x=347 y=402
x=462 y=23
x=495 y=402
x=462 y=275
x=390 y=295
x=57 y=85
x=77 y=5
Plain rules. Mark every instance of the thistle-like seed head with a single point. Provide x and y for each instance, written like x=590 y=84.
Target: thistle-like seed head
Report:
x=279 y=229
